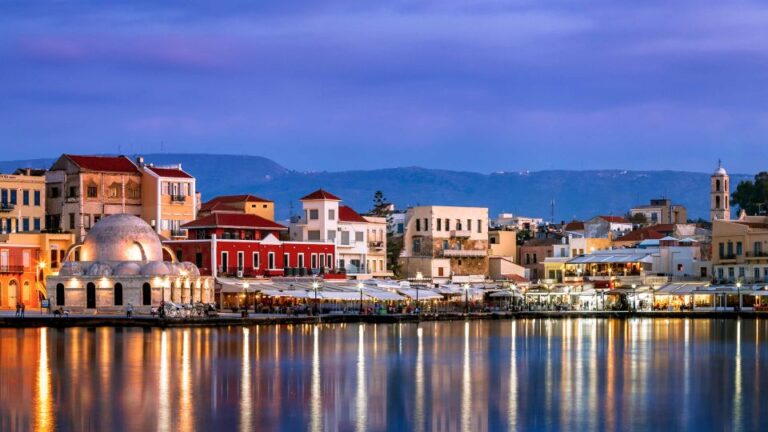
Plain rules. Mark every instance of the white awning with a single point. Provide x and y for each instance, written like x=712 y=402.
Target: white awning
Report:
x=612 y=259
x=383 y=295
x=422 y=294
x=505 y=294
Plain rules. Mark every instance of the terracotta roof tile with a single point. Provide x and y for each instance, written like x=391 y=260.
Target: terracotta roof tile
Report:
x=321 y=194
x=169 y=172
x=614 y=219
x=347 y=214
x=234 y=220
x=104 y=163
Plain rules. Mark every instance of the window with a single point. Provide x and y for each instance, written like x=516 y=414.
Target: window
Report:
x=359 y=236
x=416 y=246
x=757 y=273
x=60 y=301
x=329 y=258
x=439 y=224
x=331 y=214
x=738 y=248
x=730 y=249
x=313 y=235
x=331 y=235
x=418 y=224
x=400 y=228
x=314 y=214
x=199 y=259
x=92 y=191
x=224 y=261
x=741 y=272
x=469 y=224
x=72 y=221
x=345 y=238
x=720 y=273
x=313 y=260
x=133 y=191
x=426 y=224
x=271 y=260
x=55 y=193
x=757 y=247
x=25 y=197
x=301 y=260
x=146 y=294
x=255 y=260
x=115 y=190
x=179 y=255
x=25 y=224
x=240 y=260
x=447 y=224
x=13 y=196
x=535 y=259
x=721 y=249
x=446 y=245
x=458 y=224
x=72 y=192
x=479 y=226
x=36 y=224
x=118 y=293
x=286 y=260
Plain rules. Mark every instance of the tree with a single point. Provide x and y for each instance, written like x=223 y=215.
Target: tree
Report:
x=638 y=219
x=750 y=196
x=380 y=205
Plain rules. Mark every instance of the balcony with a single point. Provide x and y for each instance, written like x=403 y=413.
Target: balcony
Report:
x=10 y=269
x=72 y=198
x=6 y=207
x=757 y=255
x=178 y=198
x=728 y=257
x=376 y=245
x=461 y=233
x=464 y=253
x=179 y=233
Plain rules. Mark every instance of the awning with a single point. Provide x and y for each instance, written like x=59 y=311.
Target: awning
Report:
x=341 y=295
x=505 y=294
x=423 y=294
x=383 y=295
x=759 y=293
x=612 y=259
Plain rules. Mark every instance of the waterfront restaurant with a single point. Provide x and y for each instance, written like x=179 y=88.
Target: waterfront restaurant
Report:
x=121 y=262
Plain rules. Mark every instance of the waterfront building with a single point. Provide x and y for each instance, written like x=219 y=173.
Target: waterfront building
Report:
x=168 y=198
x=719 y=195
x=25 y=260
x=243 y=203
x=661 y=211
x=22 y=201
x=84 y=189
x=122 y=261
x=241 y=245
x=377 y=246
x=534 y=252
x=740 y=249
x=325 y=220
x=445 y=243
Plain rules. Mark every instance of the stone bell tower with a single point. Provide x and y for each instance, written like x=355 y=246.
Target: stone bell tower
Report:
x=720 y=206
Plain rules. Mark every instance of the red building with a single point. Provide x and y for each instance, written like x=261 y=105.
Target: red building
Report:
x=19 y=276
x=246 y=245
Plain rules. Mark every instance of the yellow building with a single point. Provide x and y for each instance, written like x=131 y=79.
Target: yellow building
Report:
x=740 y=249
x=502 y=243
x=22 y=201
x=246 y=203
x=83 y=189
x=376 y=259
x=168 y=198
x=51 y=250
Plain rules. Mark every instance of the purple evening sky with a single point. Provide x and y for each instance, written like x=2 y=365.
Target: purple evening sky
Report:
x=336 y=85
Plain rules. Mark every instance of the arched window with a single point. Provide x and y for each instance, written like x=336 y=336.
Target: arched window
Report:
x=26 y=292
x=717 y=202
x=60 y=295
x=118 y=292
x=717 y=185
x=146 y=294
x=90 y=295
x=727 y=200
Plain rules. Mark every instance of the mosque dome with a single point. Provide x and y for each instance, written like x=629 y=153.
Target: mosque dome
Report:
x=155 y=268
x=121 y=237
x=127 y=269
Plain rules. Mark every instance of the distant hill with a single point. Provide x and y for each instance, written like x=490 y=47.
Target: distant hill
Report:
x=579 y=194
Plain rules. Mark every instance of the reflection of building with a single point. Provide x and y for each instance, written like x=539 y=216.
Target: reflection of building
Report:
x=120 y=263
x=168 y=199
x=443 y=242
x=740 y=249
x=661 y=211
x=22 y=201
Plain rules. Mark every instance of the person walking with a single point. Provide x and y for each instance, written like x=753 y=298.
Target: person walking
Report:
x=23 y=307
x=18 y=310
x=129 y=310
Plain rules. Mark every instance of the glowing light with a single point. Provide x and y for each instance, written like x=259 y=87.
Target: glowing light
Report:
x=361 y=399
x=41 y=264
x=246 y=421
x=44 y=421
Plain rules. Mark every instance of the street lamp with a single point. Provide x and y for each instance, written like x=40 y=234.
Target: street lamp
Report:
x=360 y=288
x=40 y=274
x=738 y=292
x=315 y=286
x=466 y=298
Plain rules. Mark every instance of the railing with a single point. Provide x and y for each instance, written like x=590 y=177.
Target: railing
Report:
x=376 y=244
x=464 y=253
x=179 y=233
x=178 y=198
x=727 y=256
x=72 y=198
x=758 y=254
x=6 y=207
x=351 y=269
x=12 y=269
x=461 y=233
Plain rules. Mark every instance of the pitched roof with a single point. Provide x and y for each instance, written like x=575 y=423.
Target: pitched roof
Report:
x=321 y=194
x=218 y=203
x=347 y=214
x=574 y=226
x=614 y=219
x=169 y=172
x=234 y=220
x=104 y=163
x=218 y=206
x=640 y=235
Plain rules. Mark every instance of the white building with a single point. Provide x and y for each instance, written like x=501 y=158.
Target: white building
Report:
x=517 y=222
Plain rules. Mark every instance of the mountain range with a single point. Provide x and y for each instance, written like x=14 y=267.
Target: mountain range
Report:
x=576 y=194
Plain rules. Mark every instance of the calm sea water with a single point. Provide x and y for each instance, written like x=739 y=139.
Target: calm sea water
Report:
x=575 y=375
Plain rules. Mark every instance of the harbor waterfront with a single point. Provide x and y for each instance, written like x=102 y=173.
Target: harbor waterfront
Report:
x=524 y=374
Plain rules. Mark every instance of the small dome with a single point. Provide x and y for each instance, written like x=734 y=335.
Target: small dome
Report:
x=121 y=237
x=127 y=269
x=174 y=268
x=71 y=268
x=720 y=171
x=155 y=268
x=100 y=269
x=190 y=268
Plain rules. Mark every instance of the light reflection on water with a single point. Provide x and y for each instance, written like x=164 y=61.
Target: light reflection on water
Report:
x=495 y=375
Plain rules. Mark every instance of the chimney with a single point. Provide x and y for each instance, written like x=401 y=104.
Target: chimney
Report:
x=140 y=160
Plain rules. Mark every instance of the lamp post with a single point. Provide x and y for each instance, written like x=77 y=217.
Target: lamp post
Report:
x=40 y=275
x=360 y=288
x=738 y=292
x=315 y=286
x=466 y=298
x=634 y=298
x=245 y=299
